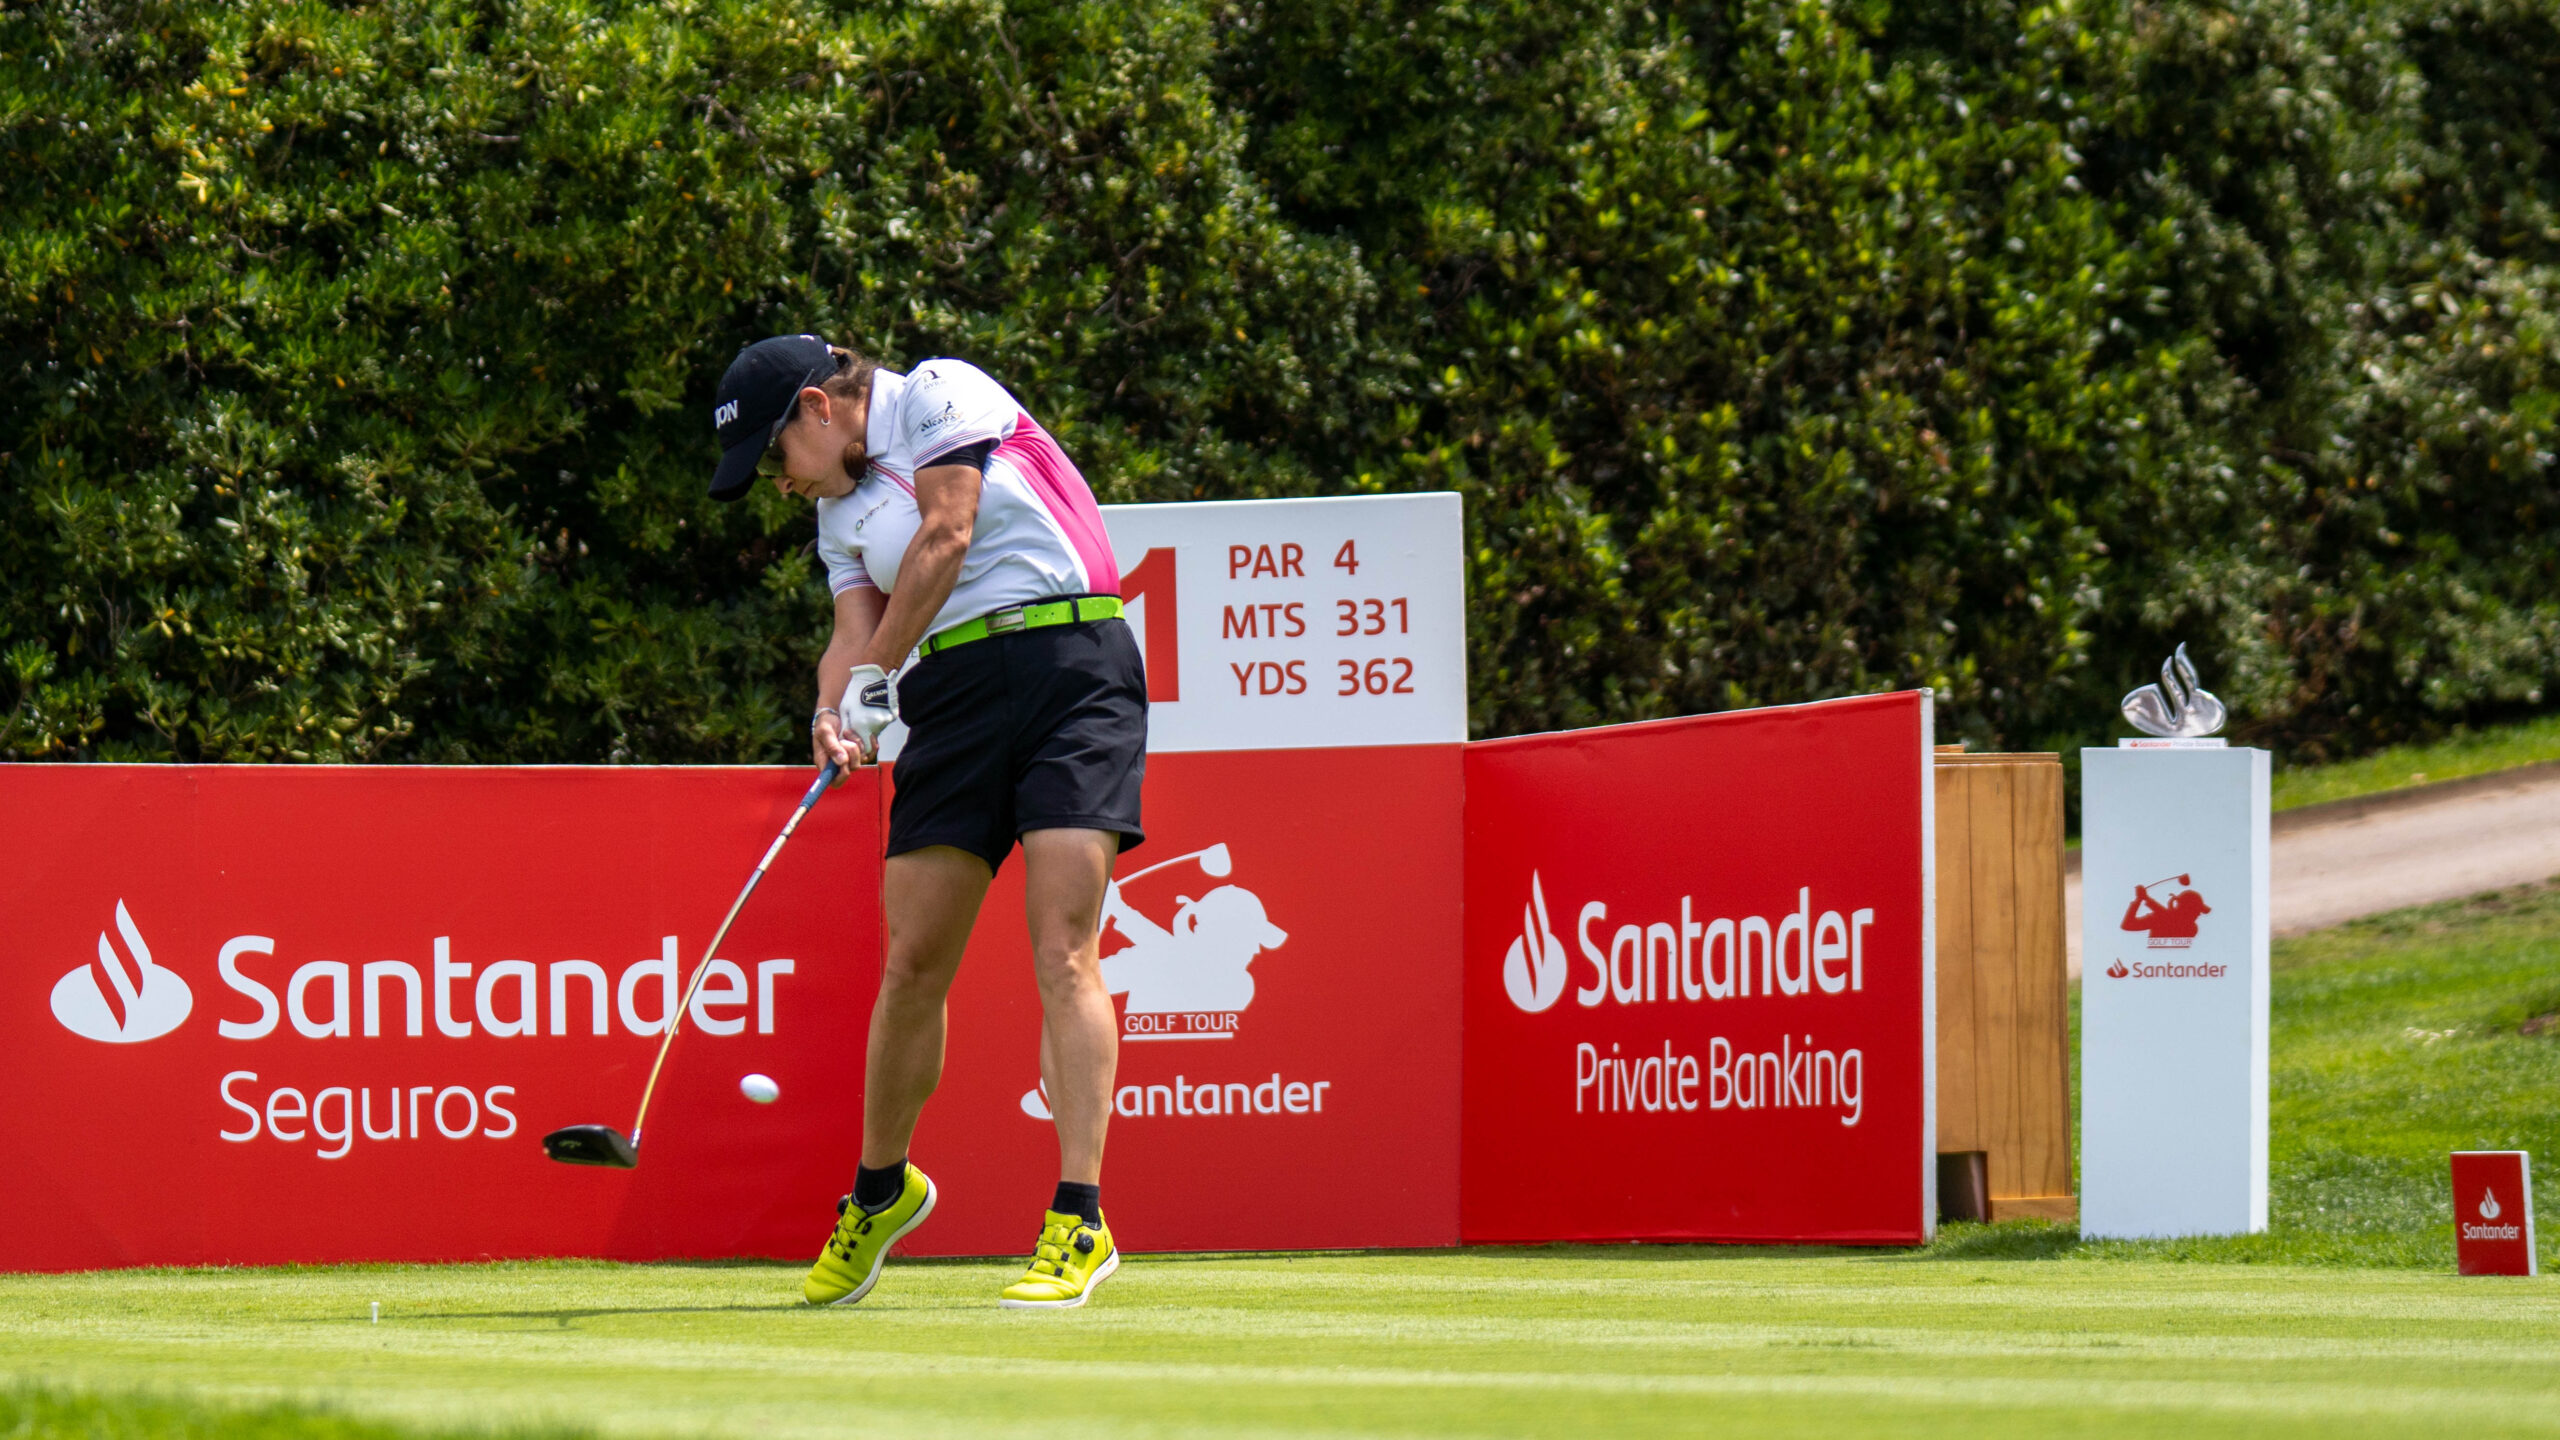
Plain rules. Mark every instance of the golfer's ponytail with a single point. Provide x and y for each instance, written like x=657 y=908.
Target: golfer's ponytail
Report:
x=853 y=373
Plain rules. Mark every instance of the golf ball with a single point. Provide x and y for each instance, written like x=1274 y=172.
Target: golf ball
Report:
x=759 y=1088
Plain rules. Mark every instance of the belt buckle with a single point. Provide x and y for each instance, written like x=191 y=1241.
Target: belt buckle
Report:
x=1005 y=622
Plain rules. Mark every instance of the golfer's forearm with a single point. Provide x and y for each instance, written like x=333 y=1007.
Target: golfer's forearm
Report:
x=925 y=578
x=835 y=669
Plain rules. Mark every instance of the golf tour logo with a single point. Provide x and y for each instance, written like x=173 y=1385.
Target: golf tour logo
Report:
x=2168 y=911
x=144 y=1003
x=1533 y=969
x=2489 y=1229
x=2169 y=917
x=1190 y=978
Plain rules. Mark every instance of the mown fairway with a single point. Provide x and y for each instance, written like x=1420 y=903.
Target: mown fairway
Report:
x=1652 y=1342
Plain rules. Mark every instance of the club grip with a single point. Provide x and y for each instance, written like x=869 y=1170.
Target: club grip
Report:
x=818 y=787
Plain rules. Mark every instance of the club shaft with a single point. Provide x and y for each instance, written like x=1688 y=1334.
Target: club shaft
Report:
x=1159 y=865
x=703 y=970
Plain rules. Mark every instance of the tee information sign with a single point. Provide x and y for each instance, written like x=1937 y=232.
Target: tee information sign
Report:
x=1310 y=624
x=1298 y=624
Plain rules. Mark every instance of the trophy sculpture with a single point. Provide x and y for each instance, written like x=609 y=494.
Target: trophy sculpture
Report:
x=2177 y=707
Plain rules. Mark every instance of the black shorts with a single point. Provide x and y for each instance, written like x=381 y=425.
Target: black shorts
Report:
x=1034 y=730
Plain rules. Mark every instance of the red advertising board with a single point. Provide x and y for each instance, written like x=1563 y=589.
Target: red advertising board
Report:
x=1698 y=979
x=254 y=1011
x=256 y=1014
x=1690 y=957
x=2493 y=1212
x=1295 y=1017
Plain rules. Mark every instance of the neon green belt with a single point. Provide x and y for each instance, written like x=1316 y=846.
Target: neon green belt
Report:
x=1024 y=617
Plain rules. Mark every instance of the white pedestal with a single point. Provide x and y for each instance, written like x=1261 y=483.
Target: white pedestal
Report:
x=2173 y=1012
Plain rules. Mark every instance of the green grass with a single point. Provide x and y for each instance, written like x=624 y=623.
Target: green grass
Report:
x=2396 y=1039
x=1585 y=1342
x=2464 y=753
x=34 y=1412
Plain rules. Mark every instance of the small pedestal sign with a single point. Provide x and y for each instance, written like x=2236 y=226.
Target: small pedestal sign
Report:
x=2493 y=1212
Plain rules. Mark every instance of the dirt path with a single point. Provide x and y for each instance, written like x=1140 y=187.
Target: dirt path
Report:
x=2348 y=858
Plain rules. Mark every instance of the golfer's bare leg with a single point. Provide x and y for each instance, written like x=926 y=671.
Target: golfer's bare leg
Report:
x=1079 y=1033
x=930 y=898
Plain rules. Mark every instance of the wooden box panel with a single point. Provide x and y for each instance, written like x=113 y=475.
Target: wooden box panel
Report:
x=2003 y=1078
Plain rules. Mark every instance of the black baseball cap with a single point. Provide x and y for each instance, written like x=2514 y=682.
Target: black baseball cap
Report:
x=757 y=394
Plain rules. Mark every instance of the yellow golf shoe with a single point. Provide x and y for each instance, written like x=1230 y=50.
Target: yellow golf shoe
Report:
x=1073 y=1258
x=850 y=1265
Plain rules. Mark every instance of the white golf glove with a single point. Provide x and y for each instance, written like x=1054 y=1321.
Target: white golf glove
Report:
x=870 y=704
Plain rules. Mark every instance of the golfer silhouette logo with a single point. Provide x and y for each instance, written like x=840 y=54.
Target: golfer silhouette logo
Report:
x=1533 y=969
x=1188 y=979
x=143 y=1004
x=1199 y=963
x=2168 y=918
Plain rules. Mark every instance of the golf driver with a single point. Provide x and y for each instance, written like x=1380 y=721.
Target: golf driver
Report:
x=604 y=1145
x=1215 y=862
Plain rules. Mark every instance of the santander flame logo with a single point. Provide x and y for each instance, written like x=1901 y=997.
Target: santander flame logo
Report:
x=1533 y=970
x=2118 y=971
x=144 y=1004
x=2489 y=1205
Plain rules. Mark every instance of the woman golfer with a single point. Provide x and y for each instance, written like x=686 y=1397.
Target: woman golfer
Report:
x=954 y=528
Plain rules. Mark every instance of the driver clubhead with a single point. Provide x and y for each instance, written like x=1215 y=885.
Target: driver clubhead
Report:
x=591 y=1145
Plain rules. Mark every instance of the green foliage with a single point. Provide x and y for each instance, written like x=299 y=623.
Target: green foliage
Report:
x=354 y=358
x=1763 y=358
x=358 y=358
x=2358 y=207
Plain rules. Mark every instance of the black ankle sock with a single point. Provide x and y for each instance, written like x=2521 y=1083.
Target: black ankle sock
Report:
x=874 y=1189
x=1075 y=1199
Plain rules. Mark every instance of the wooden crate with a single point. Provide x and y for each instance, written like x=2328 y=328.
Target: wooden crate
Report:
x=2003 y=1075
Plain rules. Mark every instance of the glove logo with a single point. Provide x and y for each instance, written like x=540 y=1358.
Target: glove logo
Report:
x=143 y=1004
x=1533 y=970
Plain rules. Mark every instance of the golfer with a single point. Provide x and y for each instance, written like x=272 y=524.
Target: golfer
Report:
x=955 y=530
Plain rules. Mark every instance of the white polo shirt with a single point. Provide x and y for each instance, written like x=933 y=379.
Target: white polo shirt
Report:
x=1039 y=532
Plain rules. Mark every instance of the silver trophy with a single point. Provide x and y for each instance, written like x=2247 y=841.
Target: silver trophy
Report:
x=2177 y=706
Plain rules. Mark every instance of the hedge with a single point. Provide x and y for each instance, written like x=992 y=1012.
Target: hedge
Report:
x=355 y=357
